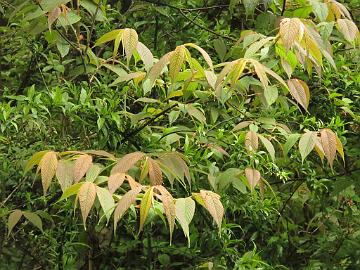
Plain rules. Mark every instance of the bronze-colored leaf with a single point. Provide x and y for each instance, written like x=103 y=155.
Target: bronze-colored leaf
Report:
x=124 y=203
x=253 y=177
x=155 y=173
x=87 y=195
x=82 y=164
x=300 y=92
x=328 y=142
x=213 y=205
x=48 y=165
x=126 y=162
x=251 y=141
x=169 y=207
x=115 y=181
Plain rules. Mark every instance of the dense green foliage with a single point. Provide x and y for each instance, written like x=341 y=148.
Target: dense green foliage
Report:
x=252 y=111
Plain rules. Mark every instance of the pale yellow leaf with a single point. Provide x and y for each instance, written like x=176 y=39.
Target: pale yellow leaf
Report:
x=348 y=28
x=130 y=41
x=176 y=60
x=290 y=31
x=65 y=174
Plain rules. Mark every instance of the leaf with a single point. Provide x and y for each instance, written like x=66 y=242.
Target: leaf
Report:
x=13 y=219
x=53 y=15
x=34 y=160
x=155 y=173
x=65 y=173
x=34 y=219
x=196 y=113
x=175 y=165
x=250 y=6
x=176 y=60
x=300 y=92
x=106 y=201
x=242 y=125
x=253 y=177
x=100 y=153
x=72 y=190
x=185 y=209
x=82 y=164
x=48 y=166
x=115 y=181
x=169 y=208
x=87 y=195
x=145 y=55
x=329 y=144
x=124 y=203
x=251 y=141
x=291 y=30
x=306 y=144
x=348 y=28
x=291 y=140
x=108 y=37
x=130 y=41
x=93 y=173
x=320 y=9
x=213 y=205
x=268 y=145
x=155 y=71
x=127 y=162
x=145 y=206
x=204 y=54
x=227 y=68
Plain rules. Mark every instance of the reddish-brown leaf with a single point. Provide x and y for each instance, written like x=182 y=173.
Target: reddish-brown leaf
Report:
x=115 y=181
x=169 y=207
x=253 y=177
x=155 y=173
x=251 y=141
x=213 y=205
x=328 y=142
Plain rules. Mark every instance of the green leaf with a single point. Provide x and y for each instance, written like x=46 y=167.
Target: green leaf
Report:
x=145 y=206
x=93 y=173
x=34 y=219
x=307 y=144
x=14 y=218
x=185 y=209
x=108 y=37
x=34 y=160
x=106 y=201
x=72 y=190
x=268 y=145
x=291 y=140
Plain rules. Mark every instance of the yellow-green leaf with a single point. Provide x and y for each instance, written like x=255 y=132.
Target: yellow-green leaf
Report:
x=34 y=160
x=106 y=201
x=185 y=209
x=14 y=218
x=176 y=60
x=306 y=144
x=34 y=219
x=146 y=204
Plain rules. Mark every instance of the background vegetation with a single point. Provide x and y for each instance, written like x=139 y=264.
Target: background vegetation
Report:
x=252 y=112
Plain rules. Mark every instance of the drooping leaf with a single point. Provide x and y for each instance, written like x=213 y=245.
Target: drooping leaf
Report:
x=253 y=177
x=34 y=219
x=268 y=145
x=185 y=209
x=176 y=60
x=108 y=37
x=48 y=165
x=106 y=201
x=146 y=204
x=196 y=113
x=81 y=166
x=348 y=28
x=145 y=55
x=13 y=219
x=155 y=174
x=242 y=125
x=169 y=207
x=339 y=148
x=115 y=181
x=65 y=173
x=34 y=160
x=251 y=141
x=306 y=144
x=329 y=143
x=124 y=203
x=291 y=140
x=127 y=162
x=204 y=54
x=213 y=205
x=130 y=41
x=87 y=195
x=291 y=30
x=300 y=92
x=53 y=15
